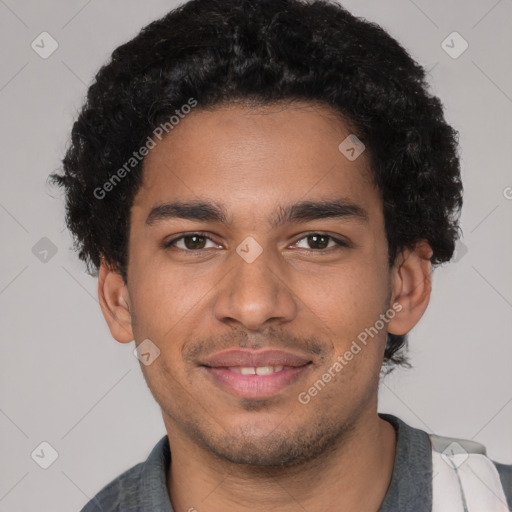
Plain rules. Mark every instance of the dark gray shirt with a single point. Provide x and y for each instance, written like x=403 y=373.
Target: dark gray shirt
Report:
x=143 y=488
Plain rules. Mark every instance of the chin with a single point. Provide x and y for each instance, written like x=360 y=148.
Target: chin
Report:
x=272 y=447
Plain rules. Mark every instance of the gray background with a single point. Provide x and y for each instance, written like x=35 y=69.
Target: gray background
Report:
x=64 y=380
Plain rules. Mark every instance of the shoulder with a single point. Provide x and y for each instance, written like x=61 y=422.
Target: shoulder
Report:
x=120 y=494
x=142 y=487
x=416 y=453
x=460 y=449
x=505 y=472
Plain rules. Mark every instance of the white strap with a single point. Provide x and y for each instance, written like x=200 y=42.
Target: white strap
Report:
x=465 y=482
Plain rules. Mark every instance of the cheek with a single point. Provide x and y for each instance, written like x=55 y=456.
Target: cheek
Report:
x=160 y=298
x=350 y=298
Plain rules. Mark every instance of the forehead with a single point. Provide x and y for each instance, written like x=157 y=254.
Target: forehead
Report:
x=257 y=156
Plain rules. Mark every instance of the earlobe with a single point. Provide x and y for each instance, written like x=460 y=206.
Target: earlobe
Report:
x=115 y=303
x=411 y=286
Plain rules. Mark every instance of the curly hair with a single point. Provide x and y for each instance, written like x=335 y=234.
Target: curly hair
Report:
x=262 y=52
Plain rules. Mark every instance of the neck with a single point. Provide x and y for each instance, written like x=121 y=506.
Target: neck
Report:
x=353 y=475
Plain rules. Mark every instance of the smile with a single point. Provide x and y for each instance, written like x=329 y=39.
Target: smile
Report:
x=255 y=374
x=259 y=370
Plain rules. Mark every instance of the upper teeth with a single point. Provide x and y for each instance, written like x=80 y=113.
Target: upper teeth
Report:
x=259 y=370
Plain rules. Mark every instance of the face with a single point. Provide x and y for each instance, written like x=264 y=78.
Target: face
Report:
x=257 y=257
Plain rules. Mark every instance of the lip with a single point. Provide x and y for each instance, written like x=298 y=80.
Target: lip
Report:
x=255 y=386
x=248 y=357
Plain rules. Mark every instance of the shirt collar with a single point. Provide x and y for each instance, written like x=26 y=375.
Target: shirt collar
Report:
x=411 y=481
x=410 y=487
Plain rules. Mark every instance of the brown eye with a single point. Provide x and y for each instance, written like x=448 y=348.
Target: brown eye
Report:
x=192 y=242
x=320 y=241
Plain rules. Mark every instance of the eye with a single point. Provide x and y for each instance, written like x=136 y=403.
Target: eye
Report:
x=321 y=241
x=190 y=242
x=195 y=242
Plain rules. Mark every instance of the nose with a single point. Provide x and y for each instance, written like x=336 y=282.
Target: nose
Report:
x=256 y=293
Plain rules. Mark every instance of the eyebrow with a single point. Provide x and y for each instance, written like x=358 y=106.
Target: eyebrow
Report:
x=304 y=211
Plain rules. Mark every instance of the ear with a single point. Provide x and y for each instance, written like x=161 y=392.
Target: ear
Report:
x=411 y=285
x=115 y=303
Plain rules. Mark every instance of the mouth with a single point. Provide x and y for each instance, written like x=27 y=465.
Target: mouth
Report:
x=255 y=374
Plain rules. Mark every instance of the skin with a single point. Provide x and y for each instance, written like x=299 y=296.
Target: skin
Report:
x=230 y=453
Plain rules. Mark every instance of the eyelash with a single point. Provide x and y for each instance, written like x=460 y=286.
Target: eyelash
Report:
x=171 y=243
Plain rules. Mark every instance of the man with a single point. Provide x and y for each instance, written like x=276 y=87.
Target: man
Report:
x=264 y=187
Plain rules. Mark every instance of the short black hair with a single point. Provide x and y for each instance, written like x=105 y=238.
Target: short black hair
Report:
x=214 y=52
